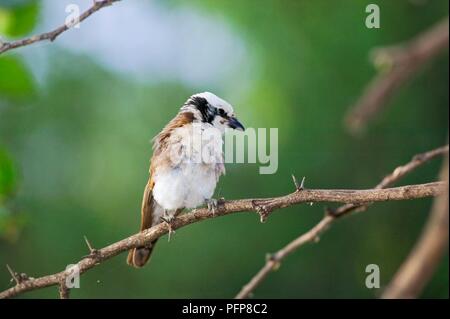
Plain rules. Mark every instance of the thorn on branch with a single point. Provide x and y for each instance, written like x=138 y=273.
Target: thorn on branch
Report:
x=301 y=186
x=91 y=249
x=419 y=157
x=272 y=258
x=384 y=59
x=93 y=253
x=17 y=277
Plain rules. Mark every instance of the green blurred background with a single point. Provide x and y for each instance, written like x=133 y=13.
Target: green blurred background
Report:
x=77 y=115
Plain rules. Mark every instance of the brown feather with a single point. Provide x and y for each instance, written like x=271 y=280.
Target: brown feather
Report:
x=161 y=158
x=178 y=121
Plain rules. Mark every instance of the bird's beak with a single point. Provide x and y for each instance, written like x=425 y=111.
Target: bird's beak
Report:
x=235 y=124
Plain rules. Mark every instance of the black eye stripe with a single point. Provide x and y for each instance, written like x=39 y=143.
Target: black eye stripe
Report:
x=207 y=111
x=222 y=113
x=203 y=106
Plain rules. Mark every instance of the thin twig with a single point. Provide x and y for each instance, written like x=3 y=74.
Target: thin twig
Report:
x=228 y=207
x=396 y=175
x=91 y=248
x=13 y=274
x=52 y=35
x=423 y=260
x=398 y=64
x=332 y=214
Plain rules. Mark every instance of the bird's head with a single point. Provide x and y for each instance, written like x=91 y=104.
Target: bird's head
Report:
x=209 y=108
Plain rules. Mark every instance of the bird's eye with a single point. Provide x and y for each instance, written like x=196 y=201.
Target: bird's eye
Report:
x=221 y=112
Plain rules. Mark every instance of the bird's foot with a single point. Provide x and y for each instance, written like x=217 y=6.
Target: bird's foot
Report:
x=169 y=222
x=212 y=205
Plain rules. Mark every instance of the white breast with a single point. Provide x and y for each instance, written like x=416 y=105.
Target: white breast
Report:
x=192 y=177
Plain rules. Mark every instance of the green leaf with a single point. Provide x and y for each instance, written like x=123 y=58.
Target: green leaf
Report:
x=5 y=20
x=18 y=19
x=7 y=174
x=15 y=80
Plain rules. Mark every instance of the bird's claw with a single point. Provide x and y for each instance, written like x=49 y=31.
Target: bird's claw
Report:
x=168 y=220
x=212 y=205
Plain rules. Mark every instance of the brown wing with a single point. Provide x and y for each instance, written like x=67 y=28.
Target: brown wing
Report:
x=147 y=206
x=138 y=257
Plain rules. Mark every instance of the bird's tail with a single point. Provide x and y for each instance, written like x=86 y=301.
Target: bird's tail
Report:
x=138 y=257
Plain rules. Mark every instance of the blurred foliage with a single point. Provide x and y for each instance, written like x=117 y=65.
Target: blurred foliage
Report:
x=18 y=17
x=15 y=81
x=7 y=175
x=11 y=223
x=82 y=146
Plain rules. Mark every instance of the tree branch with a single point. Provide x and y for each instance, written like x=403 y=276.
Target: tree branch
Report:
x=64 y=292
x=263 y=206
x=398 y=64
x=420 y=265
x=52 y=35
x=273 y=260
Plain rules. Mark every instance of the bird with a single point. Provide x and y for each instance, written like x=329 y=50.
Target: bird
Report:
x=180 y=177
